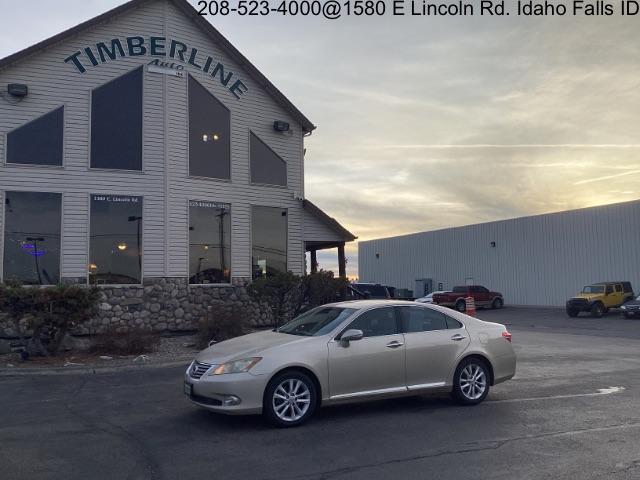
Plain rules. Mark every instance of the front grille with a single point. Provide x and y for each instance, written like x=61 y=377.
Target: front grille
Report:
x=578 y=301
x=198 y=369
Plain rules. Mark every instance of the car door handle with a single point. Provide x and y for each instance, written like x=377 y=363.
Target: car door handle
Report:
x=395 y=344
x=458 y=338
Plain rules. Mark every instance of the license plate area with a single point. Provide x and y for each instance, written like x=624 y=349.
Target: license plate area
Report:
x=188 y=389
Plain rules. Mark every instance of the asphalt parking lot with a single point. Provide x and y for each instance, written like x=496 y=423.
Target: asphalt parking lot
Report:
x=571 y=412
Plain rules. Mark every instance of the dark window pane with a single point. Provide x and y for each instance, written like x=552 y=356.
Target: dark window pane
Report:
x=116 y=123
x=376 y=323
x=269 y=235
x=32 y=237
x=209 y=134
x=419 y=319
x=209 y=243
x=453 y=324
x=115 y=250
x=38 y=142
x=460 y=289
x=266 y=166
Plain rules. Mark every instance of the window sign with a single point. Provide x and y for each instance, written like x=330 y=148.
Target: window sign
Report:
x=115 y=250
x=32 y=237
x=209 y=243
x=269 y=237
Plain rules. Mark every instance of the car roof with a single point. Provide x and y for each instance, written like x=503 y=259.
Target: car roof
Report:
x=370 y=303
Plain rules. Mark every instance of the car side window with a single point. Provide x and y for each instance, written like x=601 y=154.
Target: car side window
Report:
x=618 y=288
x=609 y=289
x=417 y=319
x=483 y=289
x=453 y=324
x=376 y=323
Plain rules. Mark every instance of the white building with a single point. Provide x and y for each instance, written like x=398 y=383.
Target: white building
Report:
x=141 y=146
x=538 y=260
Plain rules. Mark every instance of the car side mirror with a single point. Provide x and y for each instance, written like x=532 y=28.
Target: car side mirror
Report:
x=351 y=336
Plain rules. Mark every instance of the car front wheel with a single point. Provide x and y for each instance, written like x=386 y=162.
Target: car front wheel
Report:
x=597 y=310
x=290 y=399
x=572 y=313
x=471 y=382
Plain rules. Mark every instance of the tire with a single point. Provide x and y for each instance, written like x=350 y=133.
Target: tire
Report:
x=497 y=304
x=461 y=306
x=572 y=313
x=290 y=399
x=467 y=391
x=597 y=310
x=626 y=315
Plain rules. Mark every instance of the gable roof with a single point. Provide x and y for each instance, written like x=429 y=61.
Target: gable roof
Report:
x=328 y=221
x=198 y=20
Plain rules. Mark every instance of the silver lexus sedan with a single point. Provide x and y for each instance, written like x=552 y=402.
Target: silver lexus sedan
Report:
x=351 y=351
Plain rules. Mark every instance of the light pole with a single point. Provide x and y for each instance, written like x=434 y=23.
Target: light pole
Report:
x=36 y=254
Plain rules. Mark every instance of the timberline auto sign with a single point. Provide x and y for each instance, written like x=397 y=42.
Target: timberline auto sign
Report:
x=104 y=52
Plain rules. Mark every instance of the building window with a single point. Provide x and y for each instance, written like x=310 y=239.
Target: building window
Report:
x=116 y=123
x=209 y=134
x=39 y=142
x=32 y=237
x=209 y=243
x=115 y=246
x=269 y=237
x=266 y=166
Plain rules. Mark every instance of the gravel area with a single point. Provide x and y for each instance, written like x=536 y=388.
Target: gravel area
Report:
x=170 y=349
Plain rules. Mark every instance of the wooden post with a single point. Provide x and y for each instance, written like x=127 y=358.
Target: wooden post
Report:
x=314 y=262
x=342 y=262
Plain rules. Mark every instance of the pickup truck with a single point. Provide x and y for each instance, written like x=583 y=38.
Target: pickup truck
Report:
x=456 y=298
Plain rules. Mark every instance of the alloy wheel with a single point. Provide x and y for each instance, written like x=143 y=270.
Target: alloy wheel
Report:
x=291 y=400
x=473 y=381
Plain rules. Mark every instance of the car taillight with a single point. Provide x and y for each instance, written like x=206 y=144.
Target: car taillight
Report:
x=506 y=335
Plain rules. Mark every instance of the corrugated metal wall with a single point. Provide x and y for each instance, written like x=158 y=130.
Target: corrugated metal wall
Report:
x=540 y=260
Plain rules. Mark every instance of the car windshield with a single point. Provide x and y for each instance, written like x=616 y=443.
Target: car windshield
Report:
x=593 y=289
x=372 y=290
x=316 y=322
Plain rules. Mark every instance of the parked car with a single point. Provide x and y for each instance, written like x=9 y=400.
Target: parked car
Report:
x=631 y=308
x=373 y=291
x=598 y=298
x=351 y=351
x=482 y=296
x=429 y=298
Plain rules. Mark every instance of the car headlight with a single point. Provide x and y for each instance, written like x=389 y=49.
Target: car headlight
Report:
x=623 y=307
x=236 y=366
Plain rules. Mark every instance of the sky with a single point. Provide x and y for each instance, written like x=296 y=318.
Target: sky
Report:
x=428 y=123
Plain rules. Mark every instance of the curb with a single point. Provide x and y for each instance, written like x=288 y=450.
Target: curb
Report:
x=26 y=372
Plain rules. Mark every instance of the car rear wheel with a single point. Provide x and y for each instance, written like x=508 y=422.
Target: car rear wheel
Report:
x=290 y=399
x=597 y=310
x=461 y=306
x=497 y=304
x=471 y=382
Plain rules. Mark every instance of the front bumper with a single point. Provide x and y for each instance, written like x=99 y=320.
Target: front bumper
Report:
x=579 y=305
x=631 y=312
x=220 y=393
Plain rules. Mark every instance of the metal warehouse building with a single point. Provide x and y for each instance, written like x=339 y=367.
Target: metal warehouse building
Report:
x=143 y=153
x=539 y=260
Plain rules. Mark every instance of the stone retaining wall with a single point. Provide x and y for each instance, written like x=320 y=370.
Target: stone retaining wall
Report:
x=164 y=304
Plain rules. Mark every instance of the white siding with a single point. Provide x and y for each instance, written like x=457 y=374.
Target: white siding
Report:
x=316 y=231
x=164 y=182
x=541 y=260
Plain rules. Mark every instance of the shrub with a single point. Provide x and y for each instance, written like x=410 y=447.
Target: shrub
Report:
x=135 y=341
x=222 y=323
x=321 y=288
x=282 y=293
x=49 y=312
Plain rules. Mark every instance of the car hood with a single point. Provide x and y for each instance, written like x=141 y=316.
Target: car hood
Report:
x=247 y=346
x=589 y=296
x=635 y=303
